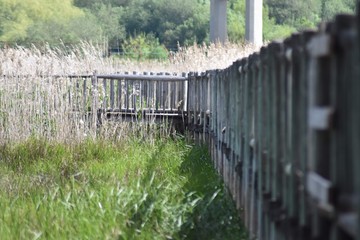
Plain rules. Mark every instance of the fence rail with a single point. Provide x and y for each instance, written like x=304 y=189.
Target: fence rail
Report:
x=133 y=92
x=127 y=92
x=283 y=130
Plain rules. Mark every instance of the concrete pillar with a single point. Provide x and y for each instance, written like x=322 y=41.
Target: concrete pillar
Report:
x=254 y=23
x=218 y=25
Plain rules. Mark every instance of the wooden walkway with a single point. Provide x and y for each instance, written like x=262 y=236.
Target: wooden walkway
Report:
x=283 y=128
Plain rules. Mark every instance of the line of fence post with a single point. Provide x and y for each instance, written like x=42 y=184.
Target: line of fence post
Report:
x=283 y=132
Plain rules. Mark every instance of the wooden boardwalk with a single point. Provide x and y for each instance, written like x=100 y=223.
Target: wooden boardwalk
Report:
x=283 y=128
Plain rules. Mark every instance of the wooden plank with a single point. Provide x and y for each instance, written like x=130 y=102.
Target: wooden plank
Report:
x=355 y=118
x=319 y=189
x=184 y=93
x=252 y=163
x=303 y=128
x=158 y=77
x=112 y=94
x=320 y=45
x=119 y=94
x=173 y=95
x=104 y=93
x=157 y=96
x=84 y=91
x=259 y=139
x=321 y=118
x=94 y=108
x=126 y=95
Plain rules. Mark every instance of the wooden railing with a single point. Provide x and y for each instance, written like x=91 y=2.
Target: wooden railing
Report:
x=129 y=92
x=283 y=128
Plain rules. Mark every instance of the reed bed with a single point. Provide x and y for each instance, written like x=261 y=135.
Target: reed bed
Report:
x=35 y=103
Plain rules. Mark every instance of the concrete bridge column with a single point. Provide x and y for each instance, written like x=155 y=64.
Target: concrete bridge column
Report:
x=254 y=23
x=218 y=25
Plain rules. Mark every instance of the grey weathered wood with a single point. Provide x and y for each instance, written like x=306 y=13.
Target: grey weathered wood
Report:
x=259 y=140
x=321 y=118
x=84 y=91
x=355 y=118
x=119 y=94
x=94 y=107
x=162 y=77
x=104 y=94
x=112 y=94
x=320 y=46
x=319 y=189
x=126 y=94
x=304 y=59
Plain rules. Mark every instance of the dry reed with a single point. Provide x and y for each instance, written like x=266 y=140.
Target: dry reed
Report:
x=34 y=103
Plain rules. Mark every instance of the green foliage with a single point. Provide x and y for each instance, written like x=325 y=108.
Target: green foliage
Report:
x=91 y=3
x=108 y=18
x=307 y=14
x=173 y=22
x=117 y=190
x=236 y=20
x=273 y=31
x=144 y=47
x=44 y=20
x=83 y=28
x=329 y=8
x=236 y=23
x=299 y=14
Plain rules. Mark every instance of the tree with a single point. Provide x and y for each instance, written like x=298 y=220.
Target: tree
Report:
x=23 y=21
x=236 y=20
x=236 y=23
x=295 y=13
x=329 y=8
x=176 y=21
x=109 y=20
x=144 y=47
x=90 y=3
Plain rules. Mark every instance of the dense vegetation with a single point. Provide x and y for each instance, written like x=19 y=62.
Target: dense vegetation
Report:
x=149 y=23
x=113 y=190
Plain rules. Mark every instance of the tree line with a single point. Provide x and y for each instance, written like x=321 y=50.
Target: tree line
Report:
x=156 y=25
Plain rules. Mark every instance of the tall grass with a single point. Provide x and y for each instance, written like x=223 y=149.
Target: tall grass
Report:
x=108 y=190
x=86 y=58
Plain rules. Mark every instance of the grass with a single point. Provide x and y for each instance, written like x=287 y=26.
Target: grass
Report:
x=61 y=178
x=113 y=190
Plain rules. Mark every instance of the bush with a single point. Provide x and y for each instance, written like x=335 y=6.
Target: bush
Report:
x=144 y=46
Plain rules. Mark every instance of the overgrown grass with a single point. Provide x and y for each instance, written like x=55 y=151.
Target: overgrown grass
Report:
x=130 y=189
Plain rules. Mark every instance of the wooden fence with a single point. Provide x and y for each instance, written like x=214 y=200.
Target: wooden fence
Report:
x=129 y=92
x=128 y=97
x=283 y=127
